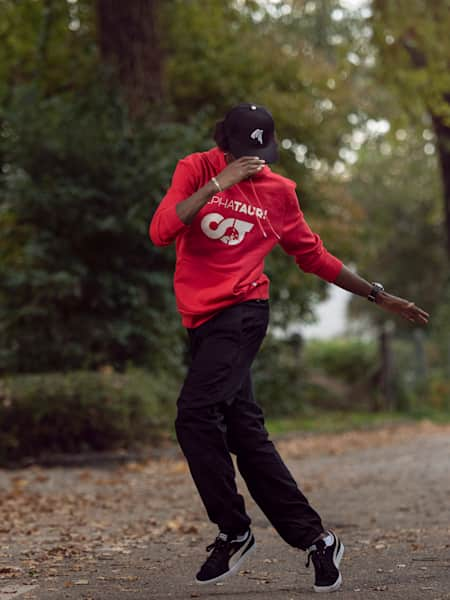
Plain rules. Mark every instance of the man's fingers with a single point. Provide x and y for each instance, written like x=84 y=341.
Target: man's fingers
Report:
x=253 y=162
x=423 y=314
x=246 y=159
x=416 y=318
x=421 y=319
x=253 y=170
x=418 y=311
x=408 y=310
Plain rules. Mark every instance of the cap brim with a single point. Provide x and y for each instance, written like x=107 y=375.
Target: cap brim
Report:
x=268 y=153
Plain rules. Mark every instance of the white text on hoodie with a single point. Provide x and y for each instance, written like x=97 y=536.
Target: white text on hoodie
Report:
x=238 y=206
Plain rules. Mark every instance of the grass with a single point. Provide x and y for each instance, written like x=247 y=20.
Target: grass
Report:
x=337 y=421
x=144 y=408
x=161 y=392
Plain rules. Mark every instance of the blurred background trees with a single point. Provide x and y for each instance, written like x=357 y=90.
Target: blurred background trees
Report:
x=98 y=101
x=415 y=59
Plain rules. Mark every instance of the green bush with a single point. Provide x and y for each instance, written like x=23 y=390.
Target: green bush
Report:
x=82 y=411
x=283 y=380
x=81 y=284
x=277 y=377
x=346 y=359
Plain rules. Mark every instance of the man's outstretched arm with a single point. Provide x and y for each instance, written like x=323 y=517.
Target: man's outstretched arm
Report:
x=355 y=284
x=312 y=257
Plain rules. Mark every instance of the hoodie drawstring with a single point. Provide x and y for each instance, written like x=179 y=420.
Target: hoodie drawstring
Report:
x=259 y=202
x=260 y=206
x=257 y=218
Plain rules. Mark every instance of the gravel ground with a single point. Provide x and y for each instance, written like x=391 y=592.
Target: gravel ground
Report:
x=139 y=530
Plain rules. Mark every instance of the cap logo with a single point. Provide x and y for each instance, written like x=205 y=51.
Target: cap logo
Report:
x=257 y=134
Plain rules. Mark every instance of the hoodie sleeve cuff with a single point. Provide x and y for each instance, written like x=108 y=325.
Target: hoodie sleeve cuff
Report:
x=174 y=223
x=329 y=267
x=169 y=225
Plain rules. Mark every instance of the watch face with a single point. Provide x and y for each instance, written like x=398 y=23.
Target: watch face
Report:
x=376 y=287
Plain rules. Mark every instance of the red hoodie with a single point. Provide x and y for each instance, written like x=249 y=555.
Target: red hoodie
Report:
x=220 y=255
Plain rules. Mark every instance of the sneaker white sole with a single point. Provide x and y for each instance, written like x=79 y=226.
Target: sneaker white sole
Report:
x=233 y=569
x=337 y=584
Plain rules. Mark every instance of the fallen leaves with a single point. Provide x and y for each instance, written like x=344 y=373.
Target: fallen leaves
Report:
x=337 y=443
x=178 y=524
x=64 y=523
x=10 y=571
x=57 y=520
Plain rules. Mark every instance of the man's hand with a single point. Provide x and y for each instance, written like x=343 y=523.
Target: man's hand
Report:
x=404 y=308
x=352 y=282
x=239 y=169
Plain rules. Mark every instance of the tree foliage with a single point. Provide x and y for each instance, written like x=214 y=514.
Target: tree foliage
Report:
x=80 y=284
x=403 y=234
x=86 y=156
x=413 y=40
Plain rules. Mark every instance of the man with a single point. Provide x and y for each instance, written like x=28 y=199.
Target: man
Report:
x=226 y=210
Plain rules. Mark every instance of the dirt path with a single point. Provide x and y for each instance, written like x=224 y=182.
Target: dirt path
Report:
x=140 y=531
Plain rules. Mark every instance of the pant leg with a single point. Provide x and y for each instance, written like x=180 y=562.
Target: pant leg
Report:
x=269 y=481
x=201 y=434
x=222 y=352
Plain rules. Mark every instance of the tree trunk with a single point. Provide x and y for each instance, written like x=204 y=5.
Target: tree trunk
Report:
x=440 y=124
x=128 y=38
x=442 y=132
x=44 y=37
x=386 y=356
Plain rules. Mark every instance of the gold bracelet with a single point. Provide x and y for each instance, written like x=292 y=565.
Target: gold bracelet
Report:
x=216 y=183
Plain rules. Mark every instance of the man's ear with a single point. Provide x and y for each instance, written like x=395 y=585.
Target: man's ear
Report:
x=220 y=137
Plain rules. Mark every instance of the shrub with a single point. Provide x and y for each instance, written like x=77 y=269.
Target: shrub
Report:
x=80 y=282
x=278 y=376
x=345 y=359
x=81 y=411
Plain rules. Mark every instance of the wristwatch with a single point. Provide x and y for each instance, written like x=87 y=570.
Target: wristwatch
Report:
x=376 y=287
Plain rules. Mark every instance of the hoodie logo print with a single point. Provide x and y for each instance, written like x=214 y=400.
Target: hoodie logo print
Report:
x=257 y=134
x=229 y=231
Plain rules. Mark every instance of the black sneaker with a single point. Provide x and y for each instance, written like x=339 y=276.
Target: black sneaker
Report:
x=225 y=558
x=326 y=561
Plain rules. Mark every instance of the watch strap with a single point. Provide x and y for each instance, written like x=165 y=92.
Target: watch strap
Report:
x=376 y=288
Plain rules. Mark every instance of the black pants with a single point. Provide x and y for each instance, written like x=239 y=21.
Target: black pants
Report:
x=217 y=414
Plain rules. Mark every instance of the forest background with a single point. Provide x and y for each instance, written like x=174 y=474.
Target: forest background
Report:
x=98 y=101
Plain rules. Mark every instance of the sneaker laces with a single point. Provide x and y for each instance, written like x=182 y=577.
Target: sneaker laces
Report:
x=311 y=552
x=216 y=547
x=321 y=563
x=319 y=558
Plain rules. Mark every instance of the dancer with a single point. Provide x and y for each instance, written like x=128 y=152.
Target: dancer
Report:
x=226 y=209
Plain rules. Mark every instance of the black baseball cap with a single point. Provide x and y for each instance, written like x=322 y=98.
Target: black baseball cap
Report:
x=250 y=131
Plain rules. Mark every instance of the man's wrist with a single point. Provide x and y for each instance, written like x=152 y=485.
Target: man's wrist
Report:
x=187 y=209
x=210 y=188
x=381 y=296
x=376 y=288
x=217 y=184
